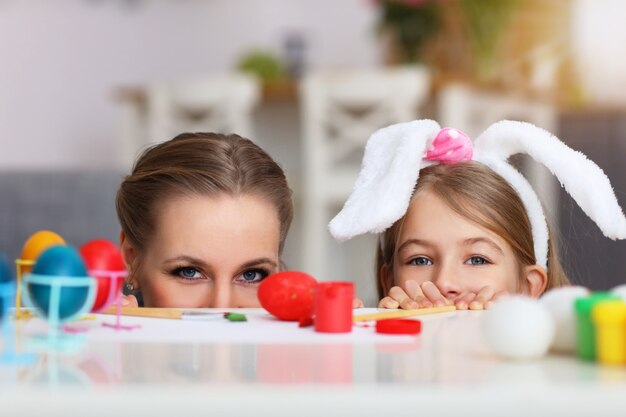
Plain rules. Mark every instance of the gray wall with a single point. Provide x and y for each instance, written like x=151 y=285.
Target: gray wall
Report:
x=591 y=259
x=78 y=205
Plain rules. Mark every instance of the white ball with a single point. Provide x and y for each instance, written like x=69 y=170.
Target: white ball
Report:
x=560 y=302
x=518 y=327
x=620 y=291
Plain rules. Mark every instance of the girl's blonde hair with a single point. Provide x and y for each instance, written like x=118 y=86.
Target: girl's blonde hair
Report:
x=199 y=164
x=478 y=194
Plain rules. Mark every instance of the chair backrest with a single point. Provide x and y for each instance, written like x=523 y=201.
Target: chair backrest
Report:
x=342 y=109
x=473 y=110
x=221 y=103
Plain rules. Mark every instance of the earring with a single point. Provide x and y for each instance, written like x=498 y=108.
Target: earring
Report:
x=130 y=286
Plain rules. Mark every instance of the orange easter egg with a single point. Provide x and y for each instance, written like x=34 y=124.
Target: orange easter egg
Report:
x=36 y=244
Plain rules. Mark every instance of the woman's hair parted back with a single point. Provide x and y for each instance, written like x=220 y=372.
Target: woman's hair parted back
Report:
x=199 y=163
x=480 y=195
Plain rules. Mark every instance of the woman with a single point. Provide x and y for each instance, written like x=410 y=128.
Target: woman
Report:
x=204 y=219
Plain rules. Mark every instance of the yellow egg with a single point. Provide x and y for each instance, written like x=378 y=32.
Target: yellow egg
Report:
x=36 y=244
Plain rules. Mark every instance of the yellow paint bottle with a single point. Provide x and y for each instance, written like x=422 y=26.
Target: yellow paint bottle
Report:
x=609 y=318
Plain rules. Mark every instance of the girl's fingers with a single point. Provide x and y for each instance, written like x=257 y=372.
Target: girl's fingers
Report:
x=129 y=301
x=500 y=294
x=409 y=304
x=415 y=293
x=427 y=295
x=484 y=295
x=496 y=297
x=403 y=299
x=462 y=302
x=388 y=302
x=357 y=303
x=413 y=289
x=433 y=294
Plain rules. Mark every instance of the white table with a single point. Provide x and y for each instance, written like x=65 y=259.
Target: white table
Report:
x=267 y=367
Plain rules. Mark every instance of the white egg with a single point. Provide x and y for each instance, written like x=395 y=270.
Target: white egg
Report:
x=620 y=291
x=518 y=327
x=560 y=302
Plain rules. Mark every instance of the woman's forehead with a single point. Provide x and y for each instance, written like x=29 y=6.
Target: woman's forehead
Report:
x=207 y=225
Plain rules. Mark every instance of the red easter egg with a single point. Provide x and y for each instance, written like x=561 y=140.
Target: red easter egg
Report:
x=103 y=255
x=288 y=295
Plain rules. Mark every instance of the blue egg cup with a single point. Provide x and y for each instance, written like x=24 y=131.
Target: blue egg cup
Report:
x=10 y=356
x=56 y=312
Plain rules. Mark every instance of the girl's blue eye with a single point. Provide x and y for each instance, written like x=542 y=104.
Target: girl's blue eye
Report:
x=477 y=260
x=252 y=276
x=421 y=261
x=188 y=273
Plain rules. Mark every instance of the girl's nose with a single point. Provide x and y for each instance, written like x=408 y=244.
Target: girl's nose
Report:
x=447 y=280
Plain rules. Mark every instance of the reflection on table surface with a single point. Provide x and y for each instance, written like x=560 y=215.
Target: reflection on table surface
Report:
x=448 y=356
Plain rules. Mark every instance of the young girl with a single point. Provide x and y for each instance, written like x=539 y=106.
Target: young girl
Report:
x=204 y=219
x=471 y=229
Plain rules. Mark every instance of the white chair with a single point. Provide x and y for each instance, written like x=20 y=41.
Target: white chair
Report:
x=340 y=111
x=221 y=103
x=473 y=110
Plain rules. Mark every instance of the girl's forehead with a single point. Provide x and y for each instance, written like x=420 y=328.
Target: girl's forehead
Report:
x=430 y=218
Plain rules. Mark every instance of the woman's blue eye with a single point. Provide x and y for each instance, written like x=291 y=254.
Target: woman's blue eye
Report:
x=188 y=273
x=477 y=260
x=253 y=275
x=421 y=261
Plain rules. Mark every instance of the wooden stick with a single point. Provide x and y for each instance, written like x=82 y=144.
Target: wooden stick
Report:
x=402 y=313
x=159 y=313
x=167 y=313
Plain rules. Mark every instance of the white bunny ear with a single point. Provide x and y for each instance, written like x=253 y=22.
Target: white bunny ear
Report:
x=531 y=203
x=382 y=192
x=581 y=178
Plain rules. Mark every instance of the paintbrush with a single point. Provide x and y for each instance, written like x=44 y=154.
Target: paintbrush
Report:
x=402 y=313
x=165 y=313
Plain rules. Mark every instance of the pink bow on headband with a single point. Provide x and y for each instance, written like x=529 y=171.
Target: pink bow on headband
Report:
x=450 y=146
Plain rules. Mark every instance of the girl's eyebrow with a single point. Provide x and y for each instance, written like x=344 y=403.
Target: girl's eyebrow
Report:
x=419 y=242
x=473 y=240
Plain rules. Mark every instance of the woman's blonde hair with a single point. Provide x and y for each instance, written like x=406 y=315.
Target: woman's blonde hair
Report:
x=199 y=163
x=478 y=194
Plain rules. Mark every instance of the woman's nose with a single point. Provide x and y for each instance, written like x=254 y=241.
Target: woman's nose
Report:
x=221 y=295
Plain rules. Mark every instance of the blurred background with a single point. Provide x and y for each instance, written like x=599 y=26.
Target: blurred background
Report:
x=85 y=85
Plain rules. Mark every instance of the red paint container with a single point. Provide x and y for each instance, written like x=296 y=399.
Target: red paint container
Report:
x=398 y=326
x=332 y=307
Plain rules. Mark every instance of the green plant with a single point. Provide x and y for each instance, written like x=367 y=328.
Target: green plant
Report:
x=485 y=21
x=265 y=65
x=411 y=23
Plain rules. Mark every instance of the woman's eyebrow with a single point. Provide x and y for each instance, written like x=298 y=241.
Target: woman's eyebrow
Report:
x=419 y=242
x=473 y=240
x=186 y=258
x=259 y=261
x=200 y=262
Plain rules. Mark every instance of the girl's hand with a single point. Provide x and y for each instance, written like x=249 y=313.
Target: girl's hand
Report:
x=414 y=296
x=481 y=301
x=357 y=303
x=129 y=301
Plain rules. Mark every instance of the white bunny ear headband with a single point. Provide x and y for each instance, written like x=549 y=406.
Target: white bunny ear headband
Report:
x=388 y=176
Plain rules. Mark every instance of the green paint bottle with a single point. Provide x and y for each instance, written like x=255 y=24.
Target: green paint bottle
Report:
x=586 y=334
